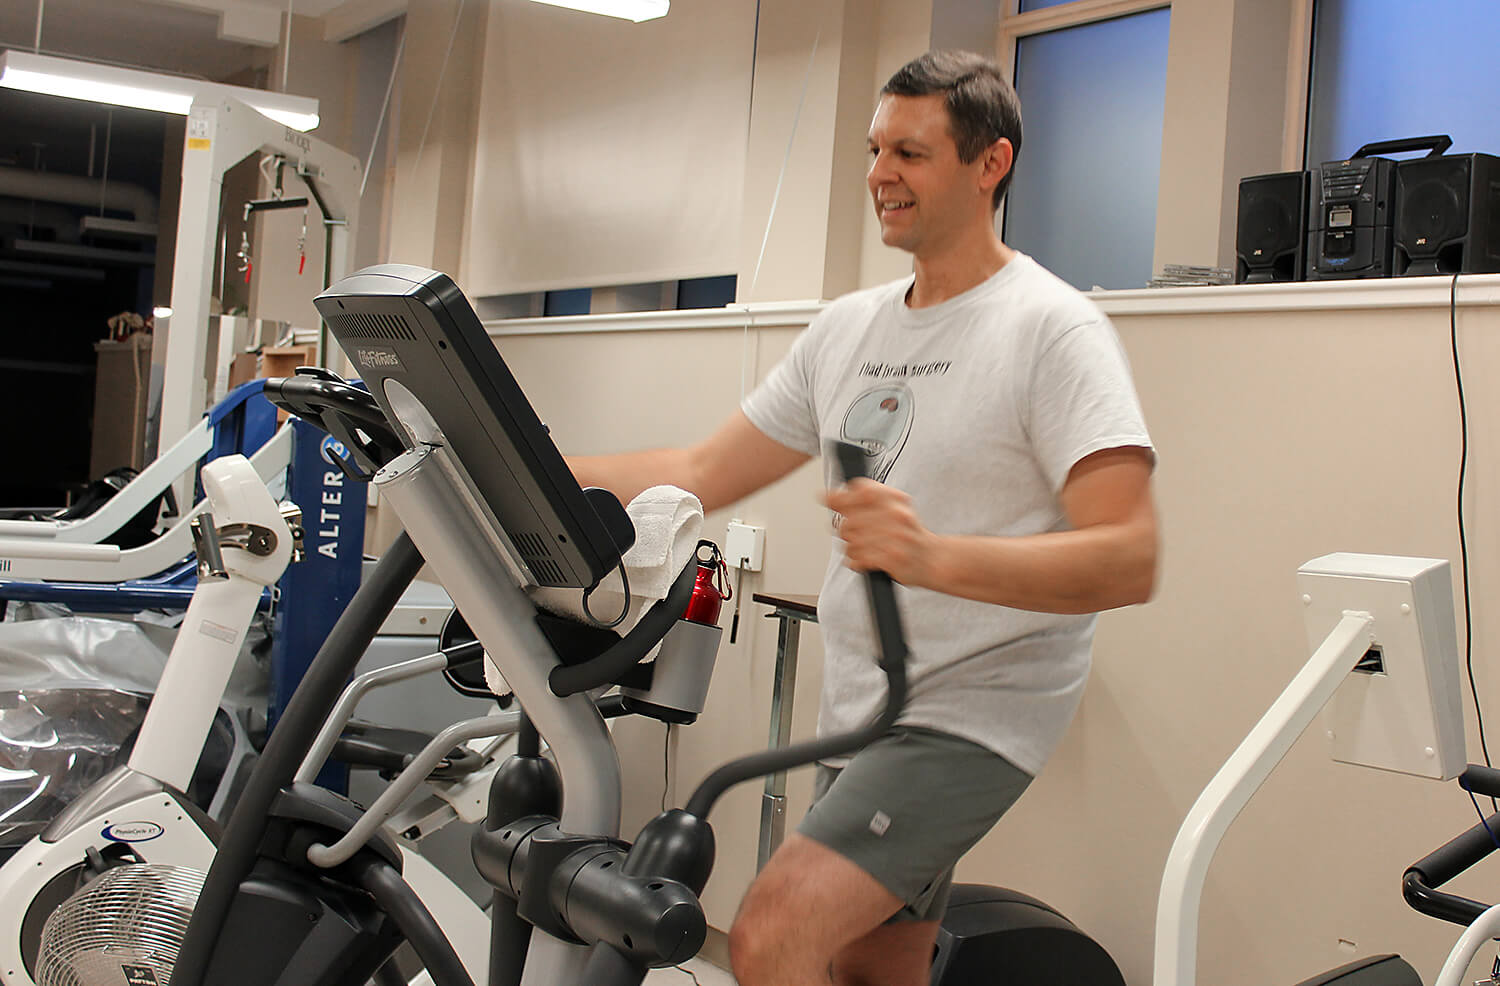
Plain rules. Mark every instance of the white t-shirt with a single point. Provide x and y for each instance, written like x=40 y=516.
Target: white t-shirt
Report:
x=978 y=408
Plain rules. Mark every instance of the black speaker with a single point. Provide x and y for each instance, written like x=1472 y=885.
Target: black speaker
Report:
x=1349 y=223
x=1448 y=215
x=1270 y=228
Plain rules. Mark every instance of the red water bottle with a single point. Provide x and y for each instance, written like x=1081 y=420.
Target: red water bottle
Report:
x=703 y=606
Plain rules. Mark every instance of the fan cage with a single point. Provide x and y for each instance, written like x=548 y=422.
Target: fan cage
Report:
x=123 y=929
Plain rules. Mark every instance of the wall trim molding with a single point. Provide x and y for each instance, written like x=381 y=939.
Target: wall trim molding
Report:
x=1067 y=15
x=1474 y=291
x=762 y=315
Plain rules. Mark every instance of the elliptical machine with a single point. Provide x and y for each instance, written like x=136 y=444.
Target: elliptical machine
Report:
x=488 y=502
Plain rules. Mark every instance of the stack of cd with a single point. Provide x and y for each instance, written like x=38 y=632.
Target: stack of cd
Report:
x=1187 y=275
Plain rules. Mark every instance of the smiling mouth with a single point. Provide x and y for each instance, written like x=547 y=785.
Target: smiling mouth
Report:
x=894 y=205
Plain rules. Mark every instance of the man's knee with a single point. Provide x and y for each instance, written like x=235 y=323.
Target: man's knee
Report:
x=807 y=903
x=759 y=933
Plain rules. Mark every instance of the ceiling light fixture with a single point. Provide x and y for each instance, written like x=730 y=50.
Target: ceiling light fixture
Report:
x=145 y=90
x=630 y=10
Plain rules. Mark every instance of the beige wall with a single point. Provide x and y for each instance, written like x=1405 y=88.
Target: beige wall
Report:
x=1283 y=435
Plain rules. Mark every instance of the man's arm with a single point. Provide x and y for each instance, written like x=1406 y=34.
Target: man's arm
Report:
x=1107 y=560
x=730 y=464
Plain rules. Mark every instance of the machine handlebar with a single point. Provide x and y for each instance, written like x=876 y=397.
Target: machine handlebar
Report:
x=893 y=652
x=607 y=667
x=1420 y=882
x=348 y=413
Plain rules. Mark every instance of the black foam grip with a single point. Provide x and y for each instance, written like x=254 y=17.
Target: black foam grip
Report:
x=851 y=460
x=568 y=680
x=1452 y=858
x=1480 y=780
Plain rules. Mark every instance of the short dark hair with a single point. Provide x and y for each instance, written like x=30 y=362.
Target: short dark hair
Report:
x=982 y=106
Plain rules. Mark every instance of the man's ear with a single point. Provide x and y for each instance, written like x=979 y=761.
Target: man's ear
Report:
x=996 y=161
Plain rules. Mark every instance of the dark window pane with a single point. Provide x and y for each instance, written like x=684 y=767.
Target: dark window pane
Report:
x=706 y=292
x=574 y=301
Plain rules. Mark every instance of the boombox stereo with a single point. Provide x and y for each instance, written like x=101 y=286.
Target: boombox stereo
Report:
x=1350 y=229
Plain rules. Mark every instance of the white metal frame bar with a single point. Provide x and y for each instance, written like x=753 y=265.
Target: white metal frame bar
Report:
x=221 y=132
x=55 y=560
x=120 y=508
x=1231 y=788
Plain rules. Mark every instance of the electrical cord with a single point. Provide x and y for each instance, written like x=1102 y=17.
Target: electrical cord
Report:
x=1484 y=821
x=624 y=610
x=1463 y=538
x=666 y=765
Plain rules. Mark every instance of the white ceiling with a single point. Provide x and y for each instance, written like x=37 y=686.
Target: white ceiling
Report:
x=213 y=39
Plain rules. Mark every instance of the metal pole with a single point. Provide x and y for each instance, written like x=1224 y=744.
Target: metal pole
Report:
x=783 y=692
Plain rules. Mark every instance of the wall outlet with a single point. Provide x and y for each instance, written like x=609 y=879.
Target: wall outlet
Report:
x=744 y=546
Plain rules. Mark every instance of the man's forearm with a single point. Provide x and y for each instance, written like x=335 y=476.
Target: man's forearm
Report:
x=1082 y=571
x=627 y=474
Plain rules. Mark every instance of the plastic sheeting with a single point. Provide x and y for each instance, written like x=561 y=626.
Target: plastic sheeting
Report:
x=54 y=743
x=74 y=691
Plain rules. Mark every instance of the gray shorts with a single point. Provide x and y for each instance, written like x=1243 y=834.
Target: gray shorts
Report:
x=907 y=806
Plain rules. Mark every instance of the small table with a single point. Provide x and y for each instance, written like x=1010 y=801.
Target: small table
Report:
x=791 y=611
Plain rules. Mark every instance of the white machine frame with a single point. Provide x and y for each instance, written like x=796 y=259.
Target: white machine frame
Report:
x=149 y=483
x=1386 y=656
x=63 y=557
x=221 y=132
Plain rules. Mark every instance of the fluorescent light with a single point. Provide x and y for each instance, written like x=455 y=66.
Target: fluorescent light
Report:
x=161 y=311
x=630 y=10
x=145 y=90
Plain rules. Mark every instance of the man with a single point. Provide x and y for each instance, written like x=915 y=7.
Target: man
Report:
x=1010 y=497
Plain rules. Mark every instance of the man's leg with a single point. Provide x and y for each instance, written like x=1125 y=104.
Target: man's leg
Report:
x=804 y=908
x=871 y=846
x=898 y=954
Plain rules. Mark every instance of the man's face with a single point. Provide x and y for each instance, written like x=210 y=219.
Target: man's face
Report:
x=923 y=194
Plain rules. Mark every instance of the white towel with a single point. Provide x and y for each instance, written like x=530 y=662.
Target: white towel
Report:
x=668 y=522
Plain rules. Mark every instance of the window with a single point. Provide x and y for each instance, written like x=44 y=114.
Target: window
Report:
x=1083 y=200
x=706 y=292
x=574 y=301
x=1386 y=69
